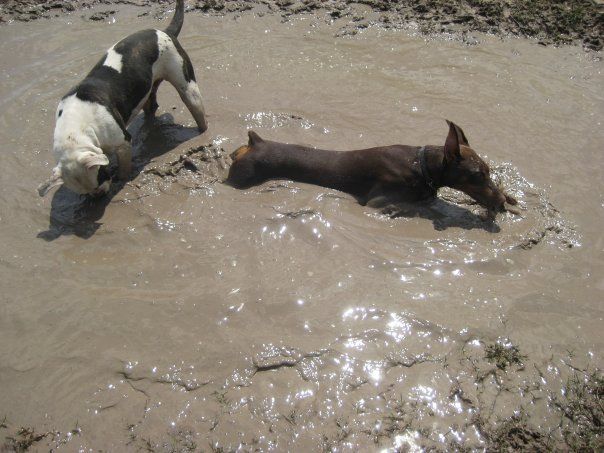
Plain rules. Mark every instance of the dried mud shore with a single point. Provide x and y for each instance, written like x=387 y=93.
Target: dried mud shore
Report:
x=548 y=21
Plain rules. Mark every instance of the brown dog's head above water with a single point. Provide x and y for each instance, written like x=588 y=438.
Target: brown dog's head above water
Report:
x=464 y=170
x=397 y=172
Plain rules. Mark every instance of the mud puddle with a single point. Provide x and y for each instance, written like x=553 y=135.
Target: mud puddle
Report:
x=180 y=313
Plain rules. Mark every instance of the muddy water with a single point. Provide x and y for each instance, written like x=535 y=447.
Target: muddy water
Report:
x=182 y=312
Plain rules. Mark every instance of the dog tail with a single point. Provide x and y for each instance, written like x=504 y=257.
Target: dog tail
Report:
x=179 y=17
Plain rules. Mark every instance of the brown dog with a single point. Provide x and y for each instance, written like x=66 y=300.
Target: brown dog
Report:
x=397 y=172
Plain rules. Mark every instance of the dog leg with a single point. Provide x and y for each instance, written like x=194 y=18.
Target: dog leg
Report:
x=191 y=96
x=151 y=105
x=379 y=196
x=178 y=70
x=124 y=160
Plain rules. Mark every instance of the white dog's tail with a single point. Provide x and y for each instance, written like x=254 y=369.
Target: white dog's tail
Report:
x=179 y=17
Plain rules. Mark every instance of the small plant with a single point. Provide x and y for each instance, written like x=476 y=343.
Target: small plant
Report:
x=504 y=355
x=221 y=398
x=582 y=406
x=23 y=440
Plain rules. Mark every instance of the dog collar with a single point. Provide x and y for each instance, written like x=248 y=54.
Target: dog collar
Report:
x=424 y=168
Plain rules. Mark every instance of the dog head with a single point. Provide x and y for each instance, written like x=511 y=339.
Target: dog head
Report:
x=243 y=172
x=83 y=173
x=464 y=170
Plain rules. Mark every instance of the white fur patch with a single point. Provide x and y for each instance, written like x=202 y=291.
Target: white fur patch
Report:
x=113 y=60
x=193 y=92
x=85 y=124
x=169 y=64
x=82 y=127
x=164 y=42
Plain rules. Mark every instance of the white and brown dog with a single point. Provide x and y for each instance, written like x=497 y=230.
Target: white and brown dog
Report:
x=91 y=119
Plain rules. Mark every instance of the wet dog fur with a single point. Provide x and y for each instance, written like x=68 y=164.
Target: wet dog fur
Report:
x=393 y=173
x=91 y=119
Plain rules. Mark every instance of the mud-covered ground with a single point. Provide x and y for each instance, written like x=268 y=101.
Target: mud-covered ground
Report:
x=497 y=398
x=549 y=21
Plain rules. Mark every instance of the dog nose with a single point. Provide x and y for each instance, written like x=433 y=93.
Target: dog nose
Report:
x=495 y=206
x=102 y=176
x=499 y=205
x=102 y=189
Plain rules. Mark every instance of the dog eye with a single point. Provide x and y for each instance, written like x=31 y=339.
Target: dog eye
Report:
x=477 y=177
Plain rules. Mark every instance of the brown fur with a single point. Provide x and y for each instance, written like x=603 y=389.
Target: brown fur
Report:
x=240 y=152
x=373 y=175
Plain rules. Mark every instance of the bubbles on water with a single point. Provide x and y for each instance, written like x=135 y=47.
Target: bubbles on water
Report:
x=219 y=140
x=302 y=394
x=398 y=327
x=407 y=441
x=360 y=313
x=271 y=120
x=374 y=371
x=165 y=225
x=424 y=393
x=356 y=343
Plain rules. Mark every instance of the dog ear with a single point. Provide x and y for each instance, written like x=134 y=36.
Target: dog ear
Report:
x=455 y=138
x=91 y=159
x=253 y=138
x=460 y=135
x=54 y=181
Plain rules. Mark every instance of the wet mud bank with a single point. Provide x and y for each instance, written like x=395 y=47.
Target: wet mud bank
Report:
x=550 y=22
x=496 y=399
x=181 y=314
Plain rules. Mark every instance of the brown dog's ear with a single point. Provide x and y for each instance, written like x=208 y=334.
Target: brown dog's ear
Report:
x=91 y=159
x=54 y=181
x=455 y=138
x=460 y=135
x=253 y=138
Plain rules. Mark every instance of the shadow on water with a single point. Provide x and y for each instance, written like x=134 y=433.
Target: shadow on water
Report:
x=80 y=215
x=443 y=214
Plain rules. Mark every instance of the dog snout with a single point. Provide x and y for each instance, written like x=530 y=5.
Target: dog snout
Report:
x=490 y=197
x=497 y=204
x=103 y=180
x=102 y=176
x=102 y=189
x=500 y=201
